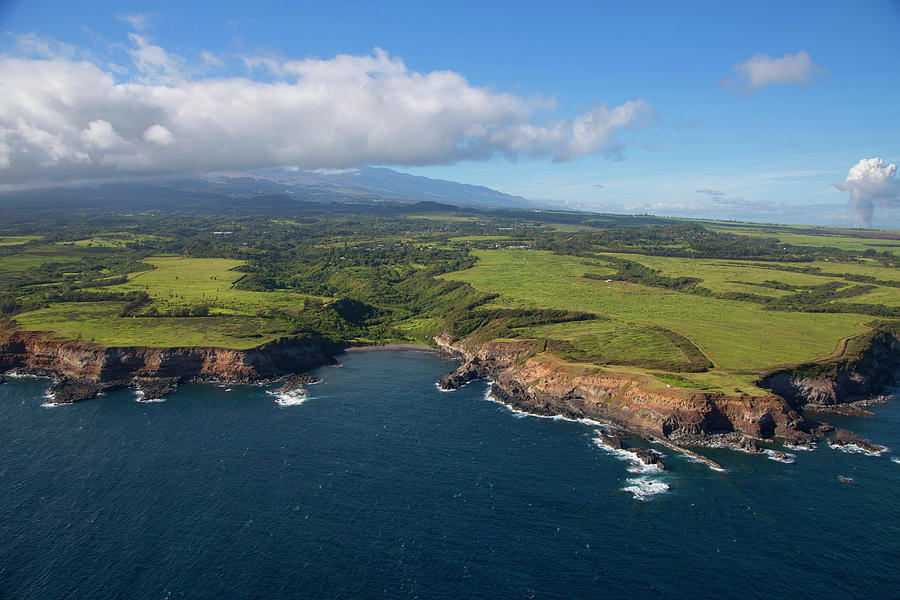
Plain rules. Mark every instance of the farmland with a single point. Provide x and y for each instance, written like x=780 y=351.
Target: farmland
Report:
x=100 y=322
x=682 y=301
x=734 y=335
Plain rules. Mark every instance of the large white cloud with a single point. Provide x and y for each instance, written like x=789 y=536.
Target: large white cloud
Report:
x=870 y=182
x=761 y=70
x=64 y=118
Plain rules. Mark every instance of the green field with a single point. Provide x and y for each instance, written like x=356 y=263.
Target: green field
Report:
x=843 y=242
x=179 y=281
x=17 y=240
x=100 y=322
x=612 y=341
x=736 y=336
x=175 y=282
x=35 y=256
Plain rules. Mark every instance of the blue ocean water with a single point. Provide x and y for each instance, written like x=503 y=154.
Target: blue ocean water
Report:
x=381 y=486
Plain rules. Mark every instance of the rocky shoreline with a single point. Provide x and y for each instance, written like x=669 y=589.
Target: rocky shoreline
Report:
x=677 y=418
x=524 y=381
x=81 y=370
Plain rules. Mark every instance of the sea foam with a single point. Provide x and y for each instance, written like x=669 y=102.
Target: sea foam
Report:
x=292 y=398
x=854 y=449
x=644 y=489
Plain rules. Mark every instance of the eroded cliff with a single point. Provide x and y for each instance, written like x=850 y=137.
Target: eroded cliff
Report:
x=540 y=384
x=83 y=369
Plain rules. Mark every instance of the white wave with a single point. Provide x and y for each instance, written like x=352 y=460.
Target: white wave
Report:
x=800 y=447
x=640 y=468
x=635 y=465
x=440 y=389
x=644 y=489
x=895 y=459
x=292 y=398
x=16 y=375
x=521 y=414
x=139 y=397
x=787 y=457
x=700 y=461
x=854 y=449
x=52 y=404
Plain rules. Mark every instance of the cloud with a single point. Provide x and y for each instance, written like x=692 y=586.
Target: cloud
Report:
x=761 y=70
x=710 y=192
x=737 y=201
x=870 y=182
x=159 y=135
x=63 y=118
x=138 y=21
x=101 y=135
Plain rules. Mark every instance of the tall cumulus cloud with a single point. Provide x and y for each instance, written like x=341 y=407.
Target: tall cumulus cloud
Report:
x=64 y=116
x=871 y=183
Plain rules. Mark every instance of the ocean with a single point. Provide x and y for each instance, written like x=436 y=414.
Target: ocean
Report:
x=379 y=485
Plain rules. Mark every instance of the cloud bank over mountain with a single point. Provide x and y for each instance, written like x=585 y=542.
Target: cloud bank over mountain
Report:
x=65 y=115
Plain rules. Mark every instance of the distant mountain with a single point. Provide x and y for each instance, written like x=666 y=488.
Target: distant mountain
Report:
x=267 y=189
x=375 y=184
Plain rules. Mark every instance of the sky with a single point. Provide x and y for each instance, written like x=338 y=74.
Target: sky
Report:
x=755 y=111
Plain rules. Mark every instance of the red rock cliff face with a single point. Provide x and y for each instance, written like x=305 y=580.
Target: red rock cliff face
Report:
x=38 y=353
x=546 y=386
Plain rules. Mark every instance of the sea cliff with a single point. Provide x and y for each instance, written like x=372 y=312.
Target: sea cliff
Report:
x=532 y=382
x=540 y=384
x=82 y=369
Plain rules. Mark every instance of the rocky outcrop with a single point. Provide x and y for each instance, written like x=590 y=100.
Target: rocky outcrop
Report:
x=84 y=369
x=837 y=384
x=848 y=440
x=618 y=441
x=543 y=385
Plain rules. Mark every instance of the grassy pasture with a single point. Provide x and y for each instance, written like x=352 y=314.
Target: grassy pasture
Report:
x=36 y=256
x=722 y=275
x=179 y=281
x=17 y=240
x=872 y=268
x=610 y=341
x=736 y=336
x=843 y=242
x=100 y=322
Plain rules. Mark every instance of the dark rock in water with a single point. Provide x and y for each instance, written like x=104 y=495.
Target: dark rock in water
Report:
x=843 y=437
x=613 y=439
x=460 y=377
x=153 y=388
x=618 y=440
x=2 y=379
x=292 y=382
x=648 y=457
x=848 y=410
x=67 y=391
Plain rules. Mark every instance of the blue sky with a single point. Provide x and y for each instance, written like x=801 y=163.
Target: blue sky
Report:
x=766 y=149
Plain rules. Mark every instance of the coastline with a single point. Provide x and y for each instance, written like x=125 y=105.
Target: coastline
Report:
x=539 y=386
